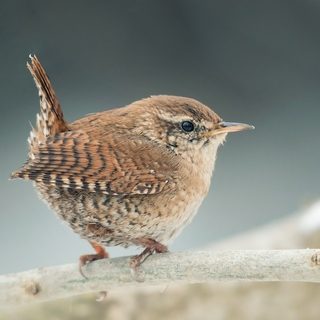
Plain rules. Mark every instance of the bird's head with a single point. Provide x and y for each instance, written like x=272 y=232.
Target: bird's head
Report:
x=183 y=125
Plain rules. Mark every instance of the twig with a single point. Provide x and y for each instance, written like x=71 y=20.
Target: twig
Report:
x=186 y=267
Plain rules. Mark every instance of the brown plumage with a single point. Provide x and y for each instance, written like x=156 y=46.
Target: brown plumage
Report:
x=129 y=176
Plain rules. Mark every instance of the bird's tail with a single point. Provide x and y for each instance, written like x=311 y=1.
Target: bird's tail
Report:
x=50 y=120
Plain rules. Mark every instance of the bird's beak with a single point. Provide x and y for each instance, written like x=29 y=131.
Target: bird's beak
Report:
x=226 y=127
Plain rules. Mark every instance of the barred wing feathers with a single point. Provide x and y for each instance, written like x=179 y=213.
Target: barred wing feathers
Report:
x=116 y=165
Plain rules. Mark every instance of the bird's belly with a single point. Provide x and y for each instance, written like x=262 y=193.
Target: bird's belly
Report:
x=178 y=222
x=112 y=221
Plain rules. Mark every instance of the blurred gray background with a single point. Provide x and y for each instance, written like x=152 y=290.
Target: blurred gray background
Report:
x=253 y=61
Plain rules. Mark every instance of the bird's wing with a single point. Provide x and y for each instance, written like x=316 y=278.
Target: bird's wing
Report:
x=116 y=165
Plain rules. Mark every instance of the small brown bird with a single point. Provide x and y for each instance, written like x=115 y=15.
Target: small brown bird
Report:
x=134 y=175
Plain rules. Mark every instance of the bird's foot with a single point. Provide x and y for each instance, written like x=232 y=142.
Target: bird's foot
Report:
x=137 y=260
x=152 y=246
x=85 y=259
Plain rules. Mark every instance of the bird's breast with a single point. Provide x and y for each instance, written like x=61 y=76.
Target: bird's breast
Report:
x=192 y=187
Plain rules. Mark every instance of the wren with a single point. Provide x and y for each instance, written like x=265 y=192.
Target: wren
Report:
x=134 y=175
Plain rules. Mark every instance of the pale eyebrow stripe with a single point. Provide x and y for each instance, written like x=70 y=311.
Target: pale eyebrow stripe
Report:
x=172 y=118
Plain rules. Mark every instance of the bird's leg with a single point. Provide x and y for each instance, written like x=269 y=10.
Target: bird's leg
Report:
x=151 y=246
x=101 y=253
x=136 y=261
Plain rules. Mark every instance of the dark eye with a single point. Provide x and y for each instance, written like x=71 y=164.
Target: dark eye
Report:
x=187 y=126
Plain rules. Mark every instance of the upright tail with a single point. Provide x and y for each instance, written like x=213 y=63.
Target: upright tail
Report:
x=50 y=120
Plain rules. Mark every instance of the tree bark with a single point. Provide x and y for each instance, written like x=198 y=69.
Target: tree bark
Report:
x=162 y=269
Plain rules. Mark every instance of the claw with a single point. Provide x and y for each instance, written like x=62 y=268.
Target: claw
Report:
x=85 y=259
x=137 y=260
x=152 y=246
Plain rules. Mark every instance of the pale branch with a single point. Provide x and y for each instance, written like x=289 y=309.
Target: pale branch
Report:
x=185 y=267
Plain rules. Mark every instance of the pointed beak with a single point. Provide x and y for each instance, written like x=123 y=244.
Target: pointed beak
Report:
x=226 y=127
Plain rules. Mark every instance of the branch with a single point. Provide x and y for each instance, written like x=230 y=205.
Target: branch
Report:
x=186 y=267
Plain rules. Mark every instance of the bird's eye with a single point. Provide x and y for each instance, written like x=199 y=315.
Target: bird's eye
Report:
x=187 y=126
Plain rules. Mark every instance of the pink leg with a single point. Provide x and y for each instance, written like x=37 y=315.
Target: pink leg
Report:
x=85 y=259
x=151 y=246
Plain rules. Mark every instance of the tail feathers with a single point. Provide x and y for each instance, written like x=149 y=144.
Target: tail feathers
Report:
x=21 y=173
x=50 y=120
